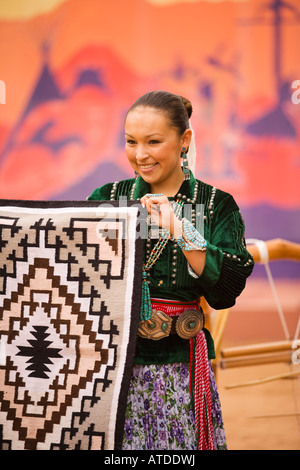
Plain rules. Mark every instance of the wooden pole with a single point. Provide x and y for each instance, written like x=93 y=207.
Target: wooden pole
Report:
x=256 y=359
x=277 y=249
x=277 y=415
x=259 y=348
x=218 y=328
x=265 y=380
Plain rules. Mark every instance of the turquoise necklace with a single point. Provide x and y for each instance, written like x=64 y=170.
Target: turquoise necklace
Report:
x=154 y=255
x=159 y=247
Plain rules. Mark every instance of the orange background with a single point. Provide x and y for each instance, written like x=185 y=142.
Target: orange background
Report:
x=71 y=72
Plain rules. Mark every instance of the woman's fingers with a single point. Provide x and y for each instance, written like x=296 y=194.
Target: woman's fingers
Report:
x=150 y=199
x=160 y=210
x=154 y=202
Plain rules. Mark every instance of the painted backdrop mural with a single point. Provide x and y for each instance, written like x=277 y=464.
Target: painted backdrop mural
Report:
x=71 y=70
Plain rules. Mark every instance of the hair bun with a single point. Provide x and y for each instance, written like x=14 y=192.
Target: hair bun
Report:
x=188 y=106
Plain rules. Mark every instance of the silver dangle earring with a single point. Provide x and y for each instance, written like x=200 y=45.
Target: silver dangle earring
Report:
x=136 y=174
x=185 y=164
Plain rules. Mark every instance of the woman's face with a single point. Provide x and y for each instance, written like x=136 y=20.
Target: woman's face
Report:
x=153 y=147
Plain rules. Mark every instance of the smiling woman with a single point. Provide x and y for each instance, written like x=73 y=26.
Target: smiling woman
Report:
x=173 y=402
x=153 y=149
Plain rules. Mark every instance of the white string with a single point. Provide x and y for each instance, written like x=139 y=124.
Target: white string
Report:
x=264 y=258
x=297 y=330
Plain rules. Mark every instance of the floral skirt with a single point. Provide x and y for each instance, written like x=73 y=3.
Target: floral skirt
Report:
x=159 y=412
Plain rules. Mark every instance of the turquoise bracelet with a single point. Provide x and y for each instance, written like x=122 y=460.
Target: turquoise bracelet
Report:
x=190 y=239
x=154 y=195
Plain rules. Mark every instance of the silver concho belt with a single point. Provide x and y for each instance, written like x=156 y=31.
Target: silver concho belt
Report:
x=187 y=325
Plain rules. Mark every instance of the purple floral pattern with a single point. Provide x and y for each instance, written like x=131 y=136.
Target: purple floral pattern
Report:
x=159 y=412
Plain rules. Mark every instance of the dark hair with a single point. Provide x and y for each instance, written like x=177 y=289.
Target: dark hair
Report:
x=179 y=109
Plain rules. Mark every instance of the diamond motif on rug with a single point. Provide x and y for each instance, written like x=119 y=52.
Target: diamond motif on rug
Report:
x=69 y=306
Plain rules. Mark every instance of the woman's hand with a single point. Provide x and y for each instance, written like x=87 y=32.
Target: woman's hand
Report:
x=162 y=214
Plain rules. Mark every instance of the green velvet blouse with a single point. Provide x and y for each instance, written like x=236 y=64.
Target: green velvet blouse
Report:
x=227 y=265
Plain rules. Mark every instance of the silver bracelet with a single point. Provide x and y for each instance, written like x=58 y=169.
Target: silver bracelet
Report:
x=190 y=239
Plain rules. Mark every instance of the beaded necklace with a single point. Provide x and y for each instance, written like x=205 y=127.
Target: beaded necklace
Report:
x=153 y=256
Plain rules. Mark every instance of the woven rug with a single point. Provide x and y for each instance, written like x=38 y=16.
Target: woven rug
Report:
x=69 y=307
